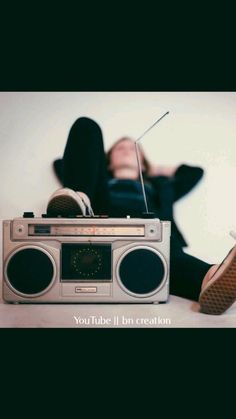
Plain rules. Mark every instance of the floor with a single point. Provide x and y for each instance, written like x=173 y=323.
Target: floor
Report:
x=176 y=313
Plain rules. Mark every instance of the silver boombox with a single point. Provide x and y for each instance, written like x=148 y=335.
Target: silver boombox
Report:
x=86 y=260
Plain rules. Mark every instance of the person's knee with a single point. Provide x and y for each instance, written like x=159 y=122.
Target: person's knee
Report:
x=85 y=122
x=88 y=133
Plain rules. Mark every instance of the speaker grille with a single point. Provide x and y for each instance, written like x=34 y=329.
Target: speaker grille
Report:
x=141 y=271
x=30 y=271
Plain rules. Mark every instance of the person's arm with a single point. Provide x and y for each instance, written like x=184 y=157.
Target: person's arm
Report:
x=181 y=179
x=155 y=171
x=185 y=178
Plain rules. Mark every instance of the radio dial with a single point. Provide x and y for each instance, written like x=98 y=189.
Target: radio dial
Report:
x=152 y=230
x=20 y=230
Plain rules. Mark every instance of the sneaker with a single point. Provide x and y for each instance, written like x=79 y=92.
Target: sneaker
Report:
x=220 y=292
x=65 y=202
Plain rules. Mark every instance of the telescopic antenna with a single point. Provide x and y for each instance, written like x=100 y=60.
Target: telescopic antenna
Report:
x=139 y=162
x=233 y=234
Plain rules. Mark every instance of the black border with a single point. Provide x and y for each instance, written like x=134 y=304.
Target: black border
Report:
x=45 y=61
x=137 y=65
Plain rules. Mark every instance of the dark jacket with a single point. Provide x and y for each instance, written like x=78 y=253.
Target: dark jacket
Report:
x=171 y=189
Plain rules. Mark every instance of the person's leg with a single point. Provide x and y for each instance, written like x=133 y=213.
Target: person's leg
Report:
x=84 y=164
x=57 y=167
x=186 y=274
x=213 y=286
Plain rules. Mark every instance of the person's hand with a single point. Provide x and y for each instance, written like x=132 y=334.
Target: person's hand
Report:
x=157 y=170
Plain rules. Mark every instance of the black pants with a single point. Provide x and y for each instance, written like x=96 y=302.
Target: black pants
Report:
x=84 y=168
x=84 y=164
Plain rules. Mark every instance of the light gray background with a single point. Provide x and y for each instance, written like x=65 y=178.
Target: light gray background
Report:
x=199 y=130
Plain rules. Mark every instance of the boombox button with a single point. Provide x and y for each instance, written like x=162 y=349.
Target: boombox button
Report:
x=152 y=230
x=20 y=229
x=80 y=290
x=28 y=215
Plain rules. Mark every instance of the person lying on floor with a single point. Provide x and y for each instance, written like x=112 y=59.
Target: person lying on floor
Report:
x=108 y=183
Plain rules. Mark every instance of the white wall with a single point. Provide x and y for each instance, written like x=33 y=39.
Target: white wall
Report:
x=200 y=129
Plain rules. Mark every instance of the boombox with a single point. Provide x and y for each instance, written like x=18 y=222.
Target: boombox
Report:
x=84 y=260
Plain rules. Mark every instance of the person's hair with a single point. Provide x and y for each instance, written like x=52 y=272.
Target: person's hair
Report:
x=145 y=162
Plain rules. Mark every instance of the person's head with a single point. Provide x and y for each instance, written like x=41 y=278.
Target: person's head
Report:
x=122 y=154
